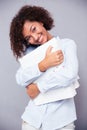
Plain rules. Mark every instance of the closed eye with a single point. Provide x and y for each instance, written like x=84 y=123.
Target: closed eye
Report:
x=33 y=29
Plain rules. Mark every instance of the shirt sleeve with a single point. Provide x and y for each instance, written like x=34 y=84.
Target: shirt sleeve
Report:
x=28 y=75
x=64 y=75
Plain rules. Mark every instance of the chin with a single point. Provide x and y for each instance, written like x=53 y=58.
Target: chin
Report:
x=45 y=40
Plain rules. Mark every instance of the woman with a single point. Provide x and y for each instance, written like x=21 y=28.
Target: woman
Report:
x=29 y=29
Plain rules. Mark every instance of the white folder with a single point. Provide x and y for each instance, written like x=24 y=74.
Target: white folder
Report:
x=35 y=57
x=38 y=54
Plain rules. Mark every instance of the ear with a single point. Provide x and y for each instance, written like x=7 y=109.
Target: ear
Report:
x=41 y=23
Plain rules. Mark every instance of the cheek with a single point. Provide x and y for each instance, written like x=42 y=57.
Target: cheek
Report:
x=31 y=41
x=45 y=37
x=44 y=33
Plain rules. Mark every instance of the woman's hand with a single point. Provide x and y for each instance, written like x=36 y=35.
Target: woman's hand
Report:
x=51 y=59
x=32 y=90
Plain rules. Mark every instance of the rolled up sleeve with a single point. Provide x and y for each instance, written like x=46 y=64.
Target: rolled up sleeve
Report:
x=26 y=76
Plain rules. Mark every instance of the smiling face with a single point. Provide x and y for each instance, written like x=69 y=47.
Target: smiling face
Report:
x=35 y=33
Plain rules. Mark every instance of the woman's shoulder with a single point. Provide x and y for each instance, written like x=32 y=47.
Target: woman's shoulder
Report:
x=65 y=40
x=30 y=49
x=68 y=42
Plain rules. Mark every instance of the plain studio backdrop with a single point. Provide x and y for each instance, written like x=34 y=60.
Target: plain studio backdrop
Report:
x=70 y=18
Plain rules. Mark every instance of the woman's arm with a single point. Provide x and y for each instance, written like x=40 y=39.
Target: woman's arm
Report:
x=62 y=77
x=51 y=59
x=28 y=75
x=32 y=90
x=25 y=76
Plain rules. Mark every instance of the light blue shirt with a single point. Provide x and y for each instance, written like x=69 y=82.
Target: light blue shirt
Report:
x=57 y=114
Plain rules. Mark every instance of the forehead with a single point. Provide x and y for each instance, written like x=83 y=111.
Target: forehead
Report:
x=27 y=24
x=30 y=23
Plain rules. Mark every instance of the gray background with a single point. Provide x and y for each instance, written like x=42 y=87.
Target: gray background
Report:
x=71 y=22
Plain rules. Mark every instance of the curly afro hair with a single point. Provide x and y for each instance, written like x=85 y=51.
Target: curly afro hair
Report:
x=30 y=13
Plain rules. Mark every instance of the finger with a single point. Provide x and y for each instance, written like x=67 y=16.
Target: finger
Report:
x=61 y=58
x=59 y=52
x=59 y=62
x=60 y=55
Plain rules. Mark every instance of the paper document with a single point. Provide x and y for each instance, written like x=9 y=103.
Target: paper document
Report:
x=35 y=57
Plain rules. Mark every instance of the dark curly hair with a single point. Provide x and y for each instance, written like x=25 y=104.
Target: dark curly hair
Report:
x=30 y=13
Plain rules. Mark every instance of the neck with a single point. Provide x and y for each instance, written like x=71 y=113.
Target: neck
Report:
x=49 y=36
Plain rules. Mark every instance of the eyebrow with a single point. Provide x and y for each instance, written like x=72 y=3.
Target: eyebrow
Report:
x=31 y=27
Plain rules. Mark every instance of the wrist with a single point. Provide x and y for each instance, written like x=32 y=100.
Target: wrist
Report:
x=43 y=66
